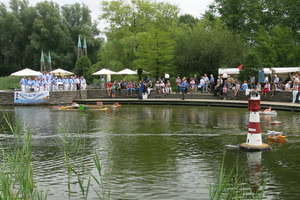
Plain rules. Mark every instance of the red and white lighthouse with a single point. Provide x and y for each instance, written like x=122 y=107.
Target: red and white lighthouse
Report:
x=254 y=139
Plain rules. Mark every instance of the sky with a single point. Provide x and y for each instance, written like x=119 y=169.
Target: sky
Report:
x=192 y=7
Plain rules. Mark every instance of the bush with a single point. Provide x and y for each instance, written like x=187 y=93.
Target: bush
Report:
x=10 y=82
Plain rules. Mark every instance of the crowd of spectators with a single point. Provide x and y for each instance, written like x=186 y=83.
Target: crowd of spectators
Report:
x=50 y=82
x=218 y=86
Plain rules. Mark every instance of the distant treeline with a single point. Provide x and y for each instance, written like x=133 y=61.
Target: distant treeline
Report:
x=153 y=36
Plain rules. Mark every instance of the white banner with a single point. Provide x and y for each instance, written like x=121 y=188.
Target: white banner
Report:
x=32 y=97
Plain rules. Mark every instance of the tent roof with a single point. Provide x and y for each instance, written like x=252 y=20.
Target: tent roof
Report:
x=278 y=70
x=26 y=72
x=61 y=72
x=127 y=71
x=104 y=72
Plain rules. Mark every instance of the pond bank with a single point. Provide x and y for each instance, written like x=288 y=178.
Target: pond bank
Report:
x=279 y=100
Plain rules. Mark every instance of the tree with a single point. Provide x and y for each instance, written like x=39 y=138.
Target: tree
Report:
x=128 y=23
x=84 y=64
x=26 y=30
x=207 y=48
x=155 y=52
x=278 y=47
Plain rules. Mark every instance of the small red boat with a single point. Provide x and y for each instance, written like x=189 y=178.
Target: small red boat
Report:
x=276 y=122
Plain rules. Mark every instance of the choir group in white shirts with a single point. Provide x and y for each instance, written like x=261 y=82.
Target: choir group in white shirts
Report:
x=50 y=82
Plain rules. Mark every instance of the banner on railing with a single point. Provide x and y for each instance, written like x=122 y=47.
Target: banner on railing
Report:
x=32 y=97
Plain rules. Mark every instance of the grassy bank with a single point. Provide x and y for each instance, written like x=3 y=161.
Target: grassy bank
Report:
x=10 y=82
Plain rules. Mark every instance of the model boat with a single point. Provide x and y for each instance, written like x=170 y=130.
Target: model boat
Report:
x=268 y=111
x=276 y=136
x=276 y=122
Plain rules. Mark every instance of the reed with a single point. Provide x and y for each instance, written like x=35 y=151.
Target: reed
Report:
x=232 y=183
x=76 y=167
x=16 y=172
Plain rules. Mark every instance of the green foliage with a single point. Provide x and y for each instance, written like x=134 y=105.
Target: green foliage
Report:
x=9 y=82
x=206 y=48
x=231 y=184
x=251 y=66
x=155 y=53
x=140 y=35
x=19 y=182
x=278 y=47
x=25 y=31
x=83 y=63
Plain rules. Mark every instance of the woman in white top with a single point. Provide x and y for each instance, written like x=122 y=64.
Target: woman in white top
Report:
x=295 y=91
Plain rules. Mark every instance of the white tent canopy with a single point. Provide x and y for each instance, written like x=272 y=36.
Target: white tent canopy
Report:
x=105 y=72
x=127 y=71
x=61 y=72
x=26 y=72
x=277 y=70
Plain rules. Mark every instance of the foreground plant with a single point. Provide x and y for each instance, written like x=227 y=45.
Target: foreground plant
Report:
x=16 y=172
x=75 y=163
x=231 y=185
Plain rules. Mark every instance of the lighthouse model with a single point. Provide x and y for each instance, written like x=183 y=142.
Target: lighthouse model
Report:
x=254 y=140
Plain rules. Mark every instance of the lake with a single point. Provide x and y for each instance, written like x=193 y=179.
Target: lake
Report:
x=157 y=152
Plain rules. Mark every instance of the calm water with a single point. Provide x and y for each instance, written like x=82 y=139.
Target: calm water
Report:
x=160 y=152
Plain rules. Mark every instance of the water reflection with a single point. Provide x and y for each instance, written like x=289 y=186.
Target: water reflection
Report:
x=161 y=152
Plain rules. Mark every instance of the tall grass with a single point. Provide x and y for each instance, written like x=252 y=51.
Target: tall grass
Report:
x=16 y=172
x=74 y=160
x=9 y=82
x=232 y=183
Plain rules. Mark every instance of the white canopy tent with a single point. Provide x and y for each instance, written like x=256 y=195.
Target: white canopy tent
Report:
x=105 y=72
x=276 y=70
x=127 y=72
x=26 y=72
x=61 y=72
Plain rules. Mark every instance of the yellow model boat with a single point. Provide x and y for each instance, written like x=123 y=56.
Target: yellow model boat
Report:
x=80 y=108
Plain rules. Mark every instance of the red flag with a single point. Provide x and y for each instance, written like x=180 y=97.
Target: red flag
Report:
x=240 y=67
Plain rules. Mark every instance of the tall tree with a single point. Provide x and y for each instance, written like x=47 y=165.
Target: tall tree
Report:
x=204 y=49
x=278 y=47
x=128 y=23
x=155 y=52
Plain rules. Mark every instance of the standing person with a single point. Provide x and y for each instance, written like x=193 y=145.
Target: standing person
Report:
x=82 y=83
x=295 y=91
x=108 y=87
x=197 y=81
x=157 y=86
x=29 y=84
x=192 y=85
x=183 y=87
x=168 y=87
x=23 y=84
x=211 y=83
x=141 y=90
x=36 y=85
x=102 y=83
x=54 y=84
x=77 y=82
x=225 y=91
x=202 y=84
x=163 y=87
x=130 y=88
x=113 y=89
x=177 y=83
x=206 y=83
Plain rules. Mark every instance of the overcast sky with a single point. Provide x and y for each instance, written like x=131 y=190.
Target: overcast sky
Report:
x=193 y=7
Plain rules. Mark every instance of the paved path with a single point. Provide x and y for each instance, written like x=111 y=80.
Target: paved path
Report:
x=193 y=102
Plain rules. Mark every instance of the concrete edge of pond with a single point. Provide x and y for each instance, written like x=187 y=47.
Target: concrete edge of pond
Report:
x=193 y=102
